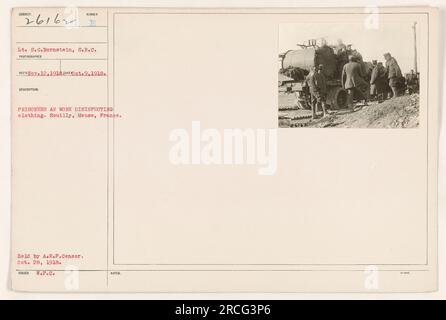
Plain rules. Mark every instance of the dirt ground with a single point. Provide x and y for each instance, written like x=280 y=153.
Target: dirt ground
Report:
x=400 y=112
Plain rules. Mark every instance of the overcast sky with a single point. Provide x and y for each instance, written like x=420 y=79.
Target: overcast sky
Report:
x=396 y=38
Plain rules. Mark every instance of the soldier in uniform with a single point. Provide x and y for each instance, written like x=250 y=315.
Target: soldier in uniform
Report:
x=373 y=89
x=393 y=73
x=353 y=81
x=318 y=90
x=412 y=82
x=378 y=81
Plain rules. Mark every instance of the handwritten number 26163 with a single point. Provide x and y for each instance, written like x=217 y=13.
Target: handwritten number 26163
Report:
x=48 y=20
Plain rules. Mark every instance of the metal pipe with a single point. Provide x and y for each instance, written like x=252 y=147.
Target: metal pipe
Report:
x=415 y=46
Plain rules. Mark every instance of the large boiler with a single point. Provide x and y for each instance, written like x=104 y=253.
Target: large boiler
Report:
x=307 y=58
x=297 y=64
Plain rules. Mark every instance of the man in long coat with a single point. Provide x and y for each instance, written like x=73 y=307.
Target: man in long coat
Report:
x=393 y=73
x=378 y=81
x=353 y=81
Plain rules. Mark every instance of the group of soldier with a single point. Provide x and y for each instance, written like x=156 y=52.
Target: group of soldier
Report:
x=382 y=80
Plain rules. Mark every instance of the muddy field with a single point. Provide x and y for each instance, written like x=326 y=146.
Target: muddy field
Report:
x=400 y=112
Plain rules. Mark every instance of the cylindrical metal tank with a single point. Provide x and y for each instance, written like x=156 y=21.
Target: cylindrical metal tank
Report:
x=303 y=59
x=309 y=57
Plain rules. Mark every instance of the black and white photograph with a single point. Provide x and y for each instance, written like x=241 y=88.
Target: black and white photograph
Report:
x=348 y=75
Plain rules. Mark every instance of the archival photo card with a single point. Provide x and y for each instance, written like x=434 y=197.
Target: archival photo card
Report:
x=179 y=150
